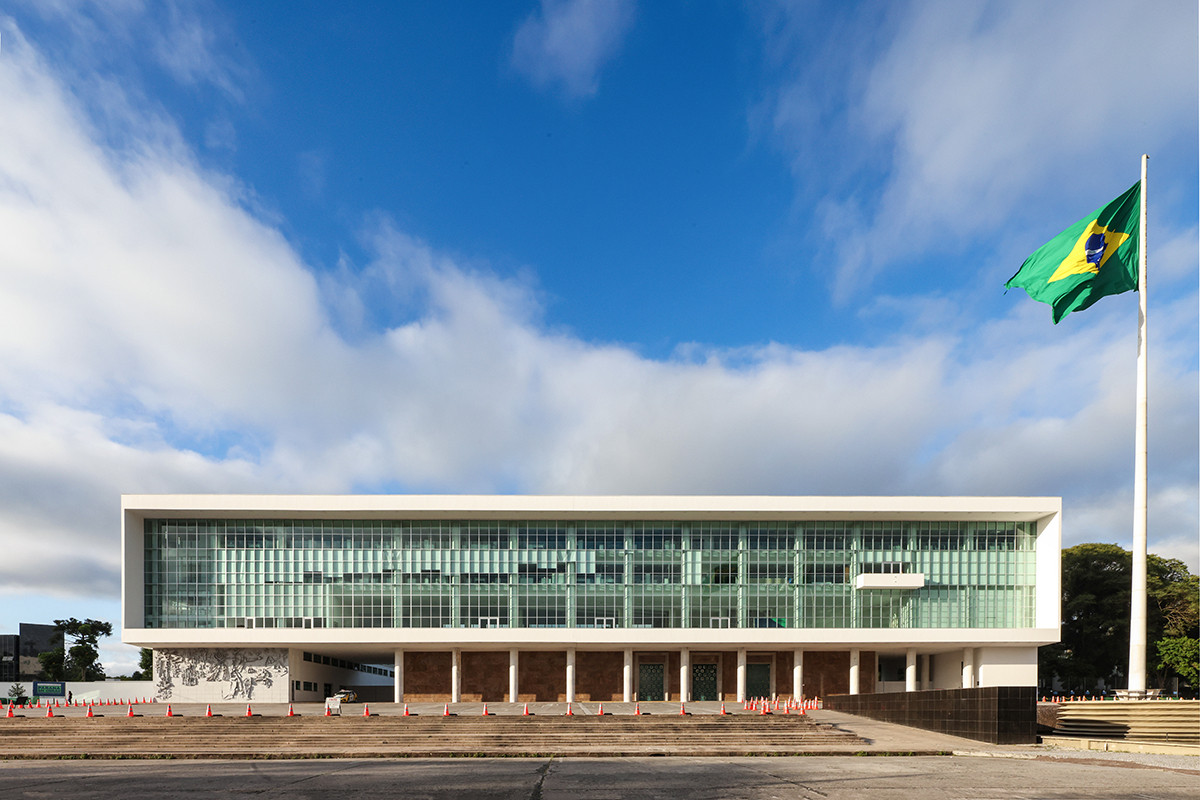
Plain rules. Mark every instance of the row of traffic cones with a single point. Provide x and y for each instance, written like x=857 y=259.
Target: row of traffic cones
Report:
x=1072 y=698
x=81 y=703
x=761 y=705
x=765 y=706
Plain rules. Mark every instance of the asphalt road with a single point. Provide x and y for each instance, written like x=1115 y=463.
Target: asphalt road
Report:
x=823 y=778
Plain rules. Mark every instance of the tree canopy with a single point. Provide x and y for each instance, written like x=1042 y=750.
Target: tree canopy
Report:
x=80 y=661
x=1096 y=592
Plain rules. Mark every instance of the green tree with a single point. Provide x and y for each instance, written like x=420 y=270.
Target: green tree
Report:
x=1181 y=655
x=53 y=664
x=145 y=671
x=1096 y=591
x=1175 y=594
x=83 y=656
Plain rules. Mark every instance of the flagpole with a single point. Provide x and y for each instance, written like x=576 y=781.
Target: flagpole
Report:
x=1137 y=606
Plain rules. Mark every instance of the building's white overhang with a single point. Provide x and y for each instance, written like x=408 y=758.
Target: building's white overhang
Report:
x=902 y=580
x=681 y=507
x=367 y=641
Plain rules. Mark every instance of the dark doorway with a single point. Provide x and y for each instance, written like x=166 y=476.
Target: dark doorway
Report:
x=758 y=680
x=704 y=682
x=650 y=682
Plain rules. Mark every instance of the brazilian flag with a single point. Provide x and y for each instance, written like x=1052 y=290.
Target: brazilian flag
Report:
x=1096 y=256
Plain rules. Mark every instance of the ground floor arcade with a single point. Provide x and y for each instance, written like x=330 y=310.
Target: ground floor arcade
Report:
x=580 y=674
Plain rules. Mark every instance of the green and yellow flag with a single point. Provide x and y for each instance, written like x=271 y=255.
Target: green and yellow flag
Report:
x=1096 y=256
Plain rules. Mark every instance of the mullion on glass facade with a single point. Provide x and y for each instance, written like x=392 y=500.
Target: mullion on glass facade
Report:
x=203 y=573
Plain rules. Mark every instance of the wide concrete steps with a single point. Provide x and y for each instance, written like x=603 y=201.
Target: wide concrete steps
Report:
x=1135 y=720
x=259 y=737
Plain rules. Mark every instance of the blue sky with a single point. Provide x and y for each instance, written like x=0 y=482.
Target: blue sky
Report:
x=572 y=246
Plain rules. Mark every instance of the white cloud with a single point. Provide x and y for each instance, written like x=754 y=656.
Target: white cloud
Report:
x=981 y=112
x=567 y=42
x=159 y=336
x=189 y=46
x=188 y=39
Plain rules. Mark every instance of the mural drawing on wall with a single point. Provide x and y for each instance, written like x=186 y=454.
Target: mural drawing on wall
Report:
x=239 y=670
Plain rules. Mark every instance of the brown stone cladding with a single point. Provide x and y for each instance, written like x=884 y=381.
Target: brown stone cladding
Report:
x=827 y=673
x=598 y=675
x=427 y=677
x=484 y=677
x=542 y=676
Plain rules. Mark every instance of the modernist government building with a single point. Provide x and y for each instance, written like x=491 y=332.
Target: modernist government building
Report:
x=539 y=598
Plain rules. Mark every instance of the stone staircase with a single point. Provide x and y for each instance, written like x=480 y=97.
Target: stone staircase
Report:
x=392 y=736
x=1133 y=720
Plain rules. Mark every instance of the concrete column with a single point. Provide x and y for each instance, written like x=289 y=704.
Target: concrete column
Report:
x=854 y=659
x=741 y=675
x=685 y=675
x=968 y=676
x=797 y=673
x=926 y=668
x=455 y=676
x=627 y=677
x=910 y=670
x=399 y=685
x=571 y=675
x=513 y=664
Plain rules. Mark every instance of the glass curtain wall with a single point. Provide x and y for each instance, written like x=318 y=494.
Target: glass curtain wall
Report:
x=237 y=573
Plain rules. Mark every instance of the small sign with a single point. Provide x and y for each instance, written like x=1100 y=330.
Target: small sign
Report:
x=49 y=689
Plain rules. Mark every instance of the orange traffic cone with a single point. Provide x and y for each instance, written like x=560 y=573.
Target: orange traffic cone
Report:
x=406 y=709
x=9 y=715
x=169 y=714
x=130 y=712
x=328 y=713
x=89 y=714
x=682 y=713
x=723 y=713
x=366 y=710
x=600 y=712
x=446 y=710
x=248 y=714
x=291 y=712
x=208 y=710
x=637 y=709
x=49 y=710
x=569 y=713
x=525 y=713
x=485 y=711
x=764 y=710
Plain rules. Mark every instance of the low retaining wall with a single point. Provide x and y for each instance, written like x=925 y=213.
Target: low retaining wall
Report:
x=92 y=690
x=995 y=714
x=1139 y=720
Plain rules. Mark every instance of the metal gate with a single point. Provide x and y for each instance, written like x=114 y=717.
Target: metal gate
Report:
x=650 y=682
x=758 y=680
x=704 y=681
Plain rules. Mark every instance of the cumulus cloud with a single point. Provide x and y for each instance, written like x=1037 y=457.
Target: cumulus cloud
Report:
x=566 y=42
x=977 y=112
x=161 y=337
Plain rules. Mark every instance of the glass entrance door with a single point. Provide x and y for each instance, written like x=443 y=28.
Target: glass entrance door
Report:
x=758 y=680
x=650 y=682
x=704 y=681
